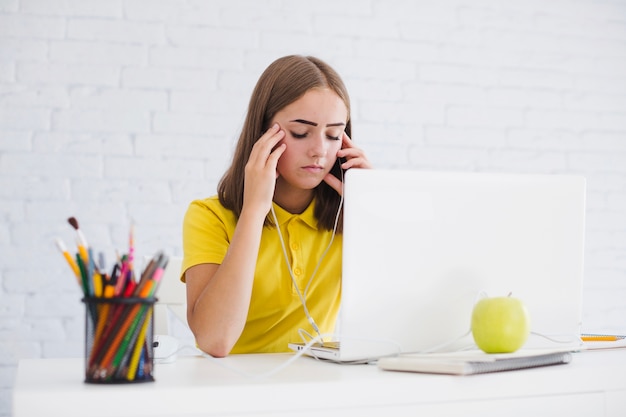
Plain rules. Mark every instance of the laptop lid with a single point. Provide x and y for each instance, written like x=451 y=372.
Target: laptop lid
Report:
x=419 y=248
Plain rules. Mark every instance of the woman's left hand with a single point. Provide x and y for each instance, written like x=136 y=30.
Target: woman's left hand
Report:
x=355 y=158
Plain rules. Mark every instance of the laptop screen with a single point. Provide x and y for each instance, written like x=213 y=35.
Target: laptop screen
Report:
x=420 y=247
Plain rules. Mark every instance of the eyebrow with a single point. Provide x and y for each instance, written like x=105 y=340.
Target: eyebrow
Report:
x=307 y=122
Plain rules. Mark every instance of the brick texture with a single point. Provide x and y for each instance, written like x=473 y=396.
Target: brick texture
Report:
x=128 y=109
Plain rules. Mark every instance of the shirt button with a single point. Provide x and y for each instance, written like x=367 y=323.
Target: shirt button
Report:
x=295 y=246
x=297 y=271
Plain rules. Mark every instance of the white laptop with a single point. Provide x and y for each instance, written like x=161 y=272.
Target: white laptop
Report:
x=419 y=248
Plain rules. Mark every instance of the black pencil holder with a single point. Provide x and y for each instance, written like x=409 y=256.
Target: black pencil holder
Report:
x=119 y=334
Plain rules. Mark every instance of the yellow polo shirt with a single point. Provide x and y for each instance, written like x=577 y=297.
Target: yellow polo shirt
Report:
x=276 y=312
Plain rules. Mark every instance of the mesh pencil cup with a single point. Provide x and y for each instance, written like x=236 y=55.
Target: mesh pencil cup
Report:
x=118 y=339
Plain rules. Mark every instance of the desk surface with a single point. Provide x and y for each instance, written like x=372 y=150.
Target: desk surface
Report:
x=592 y=384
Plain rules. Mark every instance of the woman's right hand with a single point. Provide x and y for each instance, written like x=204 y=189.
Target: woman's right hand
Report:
x=218 y=296
x=260 y=171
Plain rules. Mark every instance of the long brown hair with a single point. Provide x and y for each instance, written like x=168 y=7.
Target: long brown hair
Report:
x=283 y=82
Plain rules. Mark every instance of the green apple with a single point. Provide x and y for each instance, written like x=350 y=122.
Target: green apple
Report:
x=500 y=324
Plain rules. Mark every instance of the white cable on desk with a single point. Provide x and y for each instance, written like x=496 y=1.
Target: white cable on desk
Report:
x=263 y=375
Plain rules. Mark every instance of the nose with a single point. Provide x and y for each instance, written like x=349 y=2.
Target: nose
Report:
x=319 y=145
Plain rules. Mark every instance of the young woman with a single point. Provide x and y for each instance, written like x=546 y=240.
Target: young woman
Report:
x=262 y=258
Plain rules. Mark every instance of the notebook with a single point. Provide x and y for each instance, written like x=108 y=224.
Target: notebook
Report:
x=471 y=363
x=420 y=247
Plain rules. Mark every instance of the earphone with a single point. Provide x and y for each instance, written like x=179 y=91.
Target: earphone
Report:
x=302 y=295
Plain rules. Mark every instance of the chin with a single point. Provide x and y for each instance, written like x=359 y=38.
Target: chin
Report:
x=302 y=183
x=310 y=185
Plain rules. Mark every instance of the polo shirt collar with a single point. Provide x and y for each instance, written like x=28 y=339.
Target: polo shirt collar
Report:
x=307 y=216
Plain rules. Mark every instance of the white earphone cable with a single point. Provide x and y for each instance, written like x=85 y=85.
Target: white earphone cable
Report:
x=302 y=295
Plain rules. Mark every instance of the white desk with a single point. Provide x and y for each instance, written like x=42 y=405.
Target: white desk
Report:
x=593 y=384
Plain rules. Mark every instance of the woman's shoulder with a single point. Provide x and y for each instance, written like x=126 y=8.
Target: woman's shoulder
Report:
x=208 y=205
x=208 y=212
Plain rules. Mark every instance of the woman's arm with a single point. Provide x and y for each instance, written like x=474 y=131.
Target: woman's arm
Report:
x=218 y=296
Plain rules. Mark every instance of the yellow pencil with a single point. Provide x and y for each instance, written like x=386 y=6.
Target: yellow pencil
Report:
x=69 y=259
x=83 y=253
x=97 y=284
x=134 y=362
x=599 y=338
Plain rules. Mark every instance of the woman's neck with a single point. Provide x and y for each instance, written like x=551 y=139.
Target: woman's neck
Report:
x=295 y=201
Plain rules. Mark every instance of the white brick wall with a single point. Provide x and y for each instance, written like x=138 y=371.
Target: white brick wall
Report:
x=120 y=109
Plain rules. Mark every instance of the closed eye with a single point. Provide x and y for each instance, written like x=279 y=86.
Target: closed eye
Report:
x=304 y=135
x=299 y=135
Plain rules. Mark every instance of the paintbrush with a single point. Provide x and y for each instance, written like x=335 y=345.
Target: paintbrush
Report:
x=81 y=241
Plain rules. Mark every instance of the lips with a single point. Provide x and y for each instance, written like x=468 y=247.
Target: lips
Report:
x=313 y=168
